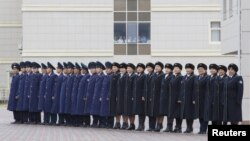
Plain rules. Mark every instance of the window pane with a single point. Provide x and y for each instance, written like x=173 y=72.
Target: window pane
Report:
x=132 y=49
x=132 y=16
x=215 y=24
x=215 y=35
x=132 y=5
x=120 y=16
x=144 y=33
x=144 y=5
x=119 y=33
x=120 y=49
x=144 y=16
x=144 y=49
x=132 y=33
x=119 y=5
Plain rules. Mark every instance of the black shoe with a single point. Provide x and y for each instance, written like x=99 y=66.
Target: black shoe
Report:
x=150 y=130
x=158 y=128
x=117 y=125
x=169 y=129
x=124 y=125
x=140 y=128
x=131 y=127
x=177 y=130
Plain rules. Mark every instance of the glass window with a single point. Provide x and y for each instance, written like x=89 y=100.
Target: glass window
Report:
x=144 y=32
x=144 y=16
x=144 y=5
x=120 y=16
x=132 y=33
x=132 y=16
x=119 y=33
x=144 y=49
x=215 y=32
x=120 y=49
x=131 y=5
x=132 y=49
x=119 y=5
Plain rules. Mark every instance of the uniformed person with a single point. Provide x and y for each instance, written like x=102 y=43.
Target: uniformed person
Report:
x=138 y=96
x=189 y=99
x=164 y=97
x=112 y=96
x=175 y=99
x=42 y=88
x=62 y=115
x=212 y=96
x=128 y=97
x=120 y=97
x=69 y=88
x=104 y=110
x=12 y=103
x=90 y=90
x=49 y=92
x=222 y=73
x=57 y=93
x=35 y=115
x=200 y=84
x=152 y=120
x=233 y=90
x=83 y=120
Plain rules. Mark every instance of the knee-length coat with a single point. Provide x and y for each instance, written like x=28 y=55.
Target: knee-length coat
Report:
x=69 y=88
x=120 y=94
x=34 y=92
x=49 y=92
x=12 y=103
x=90 y=94
x=20 y=92
x=42 y=88
x=148 y=96
x=26 y=97
x=57 y=94
x=112 y=96
x=104 y=111
x=128 y=93
x=63 y=94
x=74 y=94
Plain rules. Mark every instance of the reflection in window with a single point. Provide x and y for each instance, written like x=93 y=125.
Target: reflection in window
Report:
x=120 y=33
x=144 y=33
x=132 y=33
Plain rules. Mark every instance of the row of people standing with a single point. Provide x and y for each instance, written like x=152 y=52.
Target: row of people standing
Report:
x=74 y=94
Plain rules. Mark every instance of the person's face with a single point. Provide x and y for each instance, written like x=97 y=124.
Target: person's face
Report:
x=123 y=70
x=44 y=70
x=49 y=70
x=76 y=71
x=58 y=70
x=140 y=70
x=70 y=70
x=15 y=70
x=98 y=70
x=93 y=70
x=149 y=69
x=65 y=71
x=201 y=71
x=108 y=70
x=189 y=71
x=231 y=72
x=130 y=70
x=177 y=70
x=34 y=70
x=83 y=71
x=114 y=68
x=221 y=72
x=157 y=68
x=28 y=69
x=23 y=70
x=213 y=71
x=168 y=70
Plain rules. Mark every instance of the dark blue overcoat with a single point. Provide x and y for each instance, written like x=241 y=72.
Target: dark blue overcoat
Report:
x=13 y=93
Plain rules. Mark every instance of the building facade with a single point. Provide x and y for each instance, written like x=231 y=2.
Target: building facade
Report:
x=134 y=31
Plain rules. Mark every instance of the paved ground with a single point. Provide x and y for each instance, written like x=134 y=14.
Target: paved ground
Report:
x=14 y=132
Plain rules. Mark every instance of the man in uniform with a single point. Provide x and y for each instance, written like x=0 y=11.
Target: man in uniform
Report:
x=62 y=116
x=222 y=73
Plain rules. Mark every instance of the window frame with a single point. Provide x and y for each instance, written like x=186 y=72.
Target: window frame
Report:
x=210 y=32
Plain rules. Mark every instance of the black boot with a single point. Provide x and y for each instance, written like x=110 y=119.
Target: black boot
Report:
x=131 y=127
x=169 y=128
x=158 y=127
x=117 y=125
x=140 y=128
x=124 y=125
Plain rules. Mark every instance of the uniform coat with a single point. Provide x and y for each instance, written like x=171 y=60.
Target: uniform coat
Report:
x=69 y=88
x=174 y=96
x=128 y=93
x=113 y=93
x=155 y=93
x=26 y=97
x=221 y=96
x=82 y=93
x=138 y=94
x=42 y=88
x=104 y=111
x=164 y=97
x=12 y=103
x=20 y=93
x=49 y=92
x=34 y=92
x=76 y=83
x=212 y=99
x=96 y=103
x=120 y=94
x=189 y=96
x=57 y=94
x=148 y=96
x=233 y=90
x=200 y=84
x=90 y=94
x=63 y=94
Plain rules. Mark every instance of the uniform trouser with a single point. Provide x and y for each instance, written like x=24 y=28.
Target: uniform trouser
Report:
x=203 y=125
x=96 y=119
x=35 y=117
x=68 y=119
x=16 y=115
x=24 y=116
x=86 y=120
x=103 y=120
x=50 y=118
x=178 y=123
x=152 y=122
x=61 y=119
x=142 y=120
x=189 y=123
x=110 y=121
x=170 y=122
